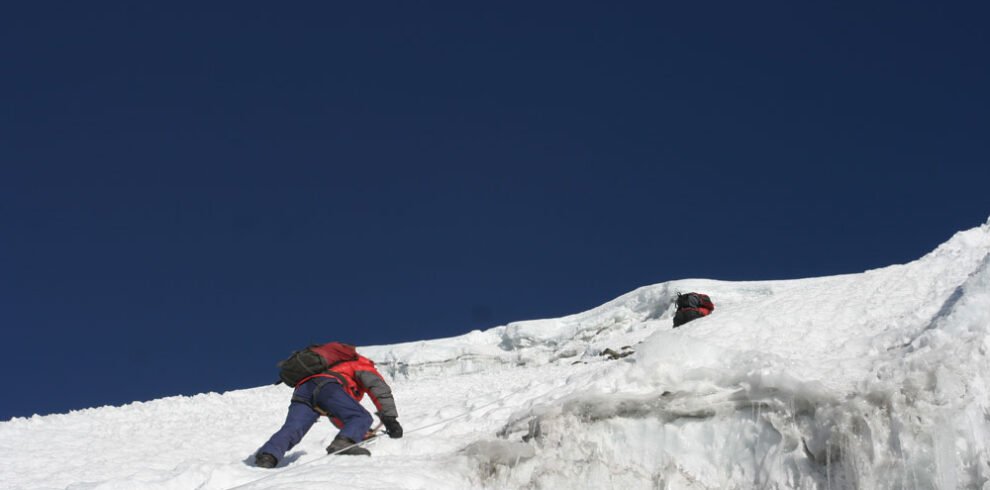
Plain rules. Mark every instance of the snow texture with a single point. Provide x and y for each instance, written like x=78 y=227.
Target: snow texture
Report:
x=874 y=380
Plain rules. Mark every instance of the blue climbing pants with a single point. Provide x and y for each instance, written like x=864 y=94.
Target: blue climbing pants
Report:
x=330 y=398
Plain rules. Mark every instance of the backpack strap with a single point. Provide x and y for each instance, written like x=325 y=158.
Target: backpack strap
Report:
x=326 y=377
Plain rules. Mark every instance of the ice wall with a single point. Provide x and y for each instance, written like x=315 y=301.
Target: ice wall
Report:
x=892 y=395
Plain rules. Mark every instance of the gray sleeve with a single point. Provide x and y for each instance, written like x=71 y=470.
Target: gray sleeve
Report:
x=380 y=392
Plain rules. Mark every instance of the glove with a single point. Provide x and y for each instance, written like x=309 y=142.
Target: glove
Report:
x=392 y=427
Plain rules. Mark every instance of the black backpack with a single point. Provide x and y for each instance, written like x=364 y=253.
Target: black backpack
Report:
x=694 y=300
x=314 y=359
x=691 y=306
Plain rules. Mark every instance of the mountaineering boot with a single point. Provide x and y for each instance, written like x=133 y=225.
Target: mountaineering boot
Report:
x=340 y=442
x=265 y=460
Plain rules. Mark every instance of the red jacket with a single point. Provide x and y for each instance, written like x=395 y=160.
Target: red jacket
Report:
x=359 y=377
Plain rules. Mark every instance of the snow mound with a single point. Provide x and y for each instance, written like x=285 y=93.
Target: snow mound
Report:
x=871 y=380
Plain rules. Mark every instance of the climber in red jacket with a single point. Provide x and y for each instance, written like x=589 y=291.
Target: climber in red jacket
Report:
x=335 y=392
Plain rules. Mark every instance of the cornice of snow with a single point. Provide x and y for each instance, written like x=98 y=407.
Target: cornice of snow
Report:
x=856 y=299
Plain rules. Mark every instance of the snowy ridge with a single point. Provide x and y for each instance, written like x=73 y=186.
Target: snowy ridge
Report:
x=871 y=380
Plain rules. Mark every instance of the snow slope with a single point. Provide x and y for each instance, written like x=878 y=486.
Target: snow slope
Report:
x=871 y=380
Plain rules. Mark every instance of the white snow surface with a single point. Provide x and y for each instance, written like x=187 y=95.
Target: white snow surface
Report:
x=874 y=380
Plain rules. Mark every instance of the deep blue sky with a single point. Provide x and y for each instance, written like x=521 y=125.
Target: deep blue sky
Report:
x=190 y=191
